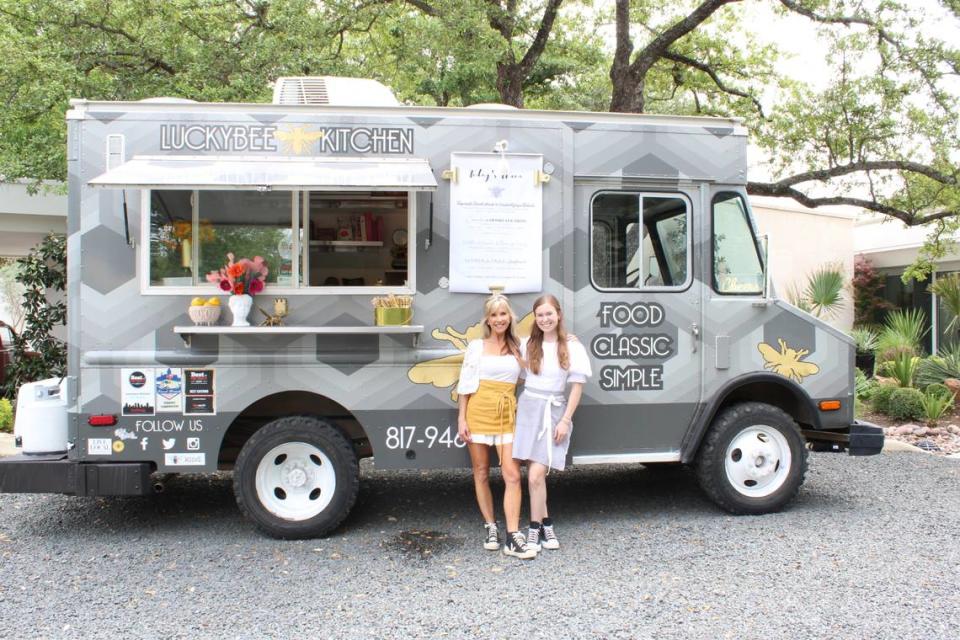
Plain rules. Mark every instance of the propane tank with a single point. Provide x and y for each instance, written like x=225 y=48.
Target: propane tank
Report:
x=41 y=424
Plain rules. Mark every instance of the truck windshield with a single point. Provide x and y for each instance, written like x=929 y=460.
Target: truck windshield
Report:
x=737 y=268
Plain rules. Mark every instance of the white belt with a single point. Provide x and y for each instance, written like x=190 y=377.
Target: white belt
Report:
x=546 y=423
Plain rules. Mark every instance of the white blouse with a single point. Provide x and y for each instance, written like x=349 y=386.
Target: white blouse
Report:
x=477 y=366
x=552 y=377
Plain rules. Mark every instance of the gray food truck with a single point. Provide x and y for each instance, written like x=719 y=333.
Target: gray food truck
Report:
x=639 y=224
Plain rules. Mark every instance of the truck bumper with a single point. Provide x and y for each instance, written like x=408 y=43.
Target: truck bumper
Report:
x=858 y=439
x=56 y=474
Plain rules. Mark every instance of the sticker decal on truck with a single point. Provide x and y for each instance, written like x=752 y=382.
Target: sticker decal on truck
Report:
x=631 y=345
x=787 y=362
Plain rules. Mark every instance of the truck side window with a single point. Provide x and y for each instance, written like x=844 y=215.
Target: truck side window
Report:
x=639 y=240
x=737 y=268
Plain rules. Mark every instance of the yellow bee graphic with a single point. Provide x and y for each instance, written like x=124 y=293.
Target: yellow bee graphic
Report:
x=298 y=140
x=787 y=362
x=444 y=372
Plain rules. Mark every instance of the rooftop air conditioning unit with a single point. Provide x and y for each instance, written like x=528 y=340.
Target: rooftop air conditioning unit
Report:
x=339 y=92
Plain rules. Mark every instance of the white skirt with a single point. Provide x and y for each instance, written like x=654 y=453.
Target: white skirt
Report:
x=491 y=440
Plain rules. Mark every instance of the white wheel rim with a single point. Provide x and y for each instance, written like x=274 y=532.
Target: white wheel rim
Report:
x=758 y=461
x=295 y=481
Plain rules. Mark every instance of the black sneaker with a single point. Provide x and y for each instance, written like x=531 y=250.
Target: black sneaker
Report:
x=492 y=543
x=549 y=537
x=517 y=546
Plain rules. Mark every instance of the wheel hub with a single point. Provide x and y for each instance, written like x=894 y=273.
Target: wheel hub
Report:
x=295 y=481
x=295 y=476
x=758 y=461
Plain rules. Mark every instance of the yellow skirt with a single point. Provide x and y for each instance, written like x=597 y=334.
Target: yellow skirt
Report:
x=492 y=410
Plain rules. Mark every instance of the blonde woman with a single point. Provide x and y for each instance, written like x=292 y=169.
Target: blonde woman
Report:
x=554 y=360
x=487 y=388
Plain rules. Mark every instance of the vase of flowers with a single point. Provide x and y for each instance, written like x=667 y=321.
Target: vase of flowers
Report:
x=243 y=279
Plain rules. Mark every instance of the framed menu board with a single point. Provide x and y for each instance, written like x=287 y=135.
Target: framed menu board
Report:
x=496 y=222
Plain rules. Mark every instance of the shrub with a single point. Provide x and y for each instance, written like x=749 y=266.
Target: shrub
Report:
x=43 y=274
x=868 y=304
x=6 y=416
x=935 y=404
x=880 y=398
x=938 y=389
x=905 y=404
x=938 y=368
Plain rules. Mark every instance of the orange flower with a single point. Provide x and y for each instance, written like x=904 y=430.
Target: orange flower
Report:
x=182 y=229
x=235 y=270
x=238 y=289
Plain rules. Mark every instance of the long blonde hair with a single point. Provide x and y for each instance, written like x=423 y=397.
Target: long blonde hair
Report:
x=494 y=303
x=535 y=344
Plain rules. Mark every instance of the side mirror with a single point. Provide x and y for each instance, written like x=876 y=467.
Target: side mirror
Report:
x=765 y=240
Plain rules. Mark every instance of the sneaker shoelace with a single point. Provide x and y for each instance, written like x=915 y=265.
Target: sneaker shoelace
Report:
x=492 y=533
x=548 y=533
x=519 y=541
x=533 y=536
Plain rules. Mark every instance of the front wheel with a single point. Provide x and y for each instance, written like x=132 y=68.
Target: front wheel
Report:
x=753 y=459
x=296 y=477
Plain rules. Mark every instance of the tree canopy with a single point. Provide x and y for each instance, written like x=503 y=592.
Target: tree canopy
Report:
x=879 y=131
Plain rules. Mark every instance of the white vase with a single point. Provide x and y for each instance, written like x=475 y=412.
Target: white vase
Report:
x=240 y=307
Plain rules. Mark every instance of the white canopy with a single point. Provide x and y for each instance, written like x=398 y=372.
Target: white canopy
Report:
x=262 y=172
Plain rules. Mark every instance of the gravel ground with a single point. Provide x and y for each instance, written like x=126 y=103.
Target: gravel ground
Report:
x=868 y=550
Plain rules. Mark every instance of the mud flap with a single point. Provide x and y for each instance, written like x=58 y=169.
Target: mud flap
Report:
x=858 y=439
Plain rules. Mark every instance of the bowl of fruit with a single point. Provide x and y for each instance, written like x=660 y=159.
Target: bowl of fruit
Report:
x=204 y=311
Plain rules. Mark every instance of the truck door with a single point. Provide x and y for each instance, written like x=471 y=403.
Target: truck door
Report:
x=638 y=311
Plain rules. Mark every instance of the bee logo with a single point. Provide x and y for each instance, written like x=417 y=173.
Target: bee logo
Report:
x=298 y=140
x=445 y=372
x=787 y=362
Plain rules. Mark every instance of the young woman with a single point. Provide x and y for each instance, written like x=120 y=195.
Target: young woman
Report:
x=553 y=360
x=488 y=405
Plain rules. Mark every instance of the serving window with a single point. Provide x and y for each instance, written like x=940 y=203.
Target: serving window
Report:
x=639 y=240
x=321 y=241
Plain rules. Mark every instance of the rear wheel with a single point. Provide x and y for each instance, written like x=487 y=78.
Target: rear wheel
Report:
x=753 y=459
x=296 y=477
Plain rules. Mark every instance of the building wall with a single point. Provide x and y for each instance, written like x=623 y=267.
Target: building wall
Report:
x=802 y=240
x=25 y=219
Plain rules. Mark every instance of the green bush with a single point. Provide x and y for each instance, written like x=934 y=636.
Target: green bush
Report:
x=905 y=404
x=904 y=369
x=6 y=416
x=937 y=389
x=880 y=398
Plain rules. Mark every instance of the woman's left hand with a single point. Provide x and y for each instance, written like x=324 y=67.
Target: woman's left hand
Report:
x=560 y=431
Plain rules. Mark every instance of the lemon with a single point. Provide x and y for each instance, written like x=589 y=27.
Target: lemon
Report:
x=213 y=302
x=197 y=302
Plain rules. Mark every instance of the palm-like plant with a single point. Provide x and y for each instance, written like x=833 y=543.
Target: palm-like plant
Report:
x=947 y=289
x=822 y=294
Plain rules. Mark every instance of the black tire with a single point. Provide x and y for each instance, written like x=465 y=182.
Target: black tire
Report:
x=302 y=432
x=725 y=488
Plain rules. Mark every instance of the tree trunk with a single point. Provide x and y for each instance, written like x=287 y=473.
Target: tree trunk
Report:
x=510 y=84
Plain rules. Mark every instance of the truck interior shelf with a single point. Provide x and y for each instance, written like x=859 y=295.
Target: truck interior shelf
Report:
x=186 y=331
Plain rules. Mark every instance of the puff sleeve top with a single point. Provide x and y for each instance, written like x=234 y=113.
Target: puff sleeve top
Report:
x=551 y=377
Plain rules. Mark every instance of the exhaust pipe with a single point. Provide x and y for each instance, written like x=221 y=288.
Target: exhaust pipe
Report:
x=160 y=482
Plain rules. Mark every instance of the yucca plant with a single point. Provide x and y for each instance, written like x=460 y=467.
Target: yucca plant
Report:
x=903 y=331
x=865 y=339
x=903 y=368
x=935 y=405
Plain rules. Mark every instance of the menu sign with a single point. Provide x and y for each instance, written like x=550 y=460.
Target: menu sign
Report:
x=496 y=223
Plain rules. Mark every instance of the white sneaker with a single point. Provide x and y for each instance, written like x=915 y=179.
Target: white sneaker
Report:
x=549 y=537
x=533 y=539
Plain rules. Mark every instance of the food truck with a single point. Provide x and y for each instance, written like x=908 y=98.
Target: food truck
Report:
x=380 y=228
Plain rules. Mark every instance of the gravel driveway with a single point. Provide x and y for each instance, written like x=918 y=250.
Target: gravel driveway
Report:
x=870 y=549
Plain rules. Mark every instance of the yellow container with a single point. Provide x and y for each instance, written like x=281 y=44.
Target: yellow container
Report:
x=391 y=316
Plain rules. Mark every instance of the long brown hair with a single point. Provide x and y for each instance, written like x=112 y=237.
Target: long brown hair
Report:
x=535 y=345
x=493 y=303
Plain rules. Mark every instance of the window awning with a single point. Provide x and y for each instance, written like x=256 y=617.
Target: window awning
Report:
x=287 y=174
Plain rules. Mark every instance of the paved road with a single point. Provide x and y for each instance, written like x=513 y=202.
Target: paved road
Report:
x=870 y=549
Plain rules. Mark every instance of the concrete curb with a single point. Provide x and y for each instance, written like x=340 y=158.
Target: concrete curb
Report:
x=889 y=445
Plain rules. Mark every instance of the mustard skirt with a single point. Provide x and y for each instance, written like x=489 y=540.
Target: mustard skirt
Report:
x=492 y=410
